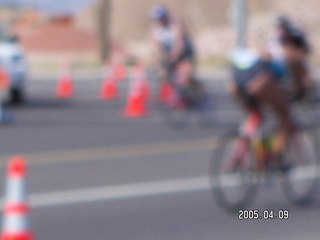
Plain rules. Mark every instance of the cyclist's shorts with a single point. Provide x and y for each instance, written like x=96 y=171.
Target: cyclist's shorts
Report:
x=277 y=68
x=242 y=77
x=188 y=54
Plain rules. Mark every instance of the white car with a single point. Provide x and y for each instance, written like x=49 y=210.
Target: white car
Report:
x=12 y=58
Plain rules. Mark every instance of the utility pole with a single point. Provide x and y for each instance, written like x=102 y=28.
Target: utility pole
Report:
x=103 y=21
x=239 y=19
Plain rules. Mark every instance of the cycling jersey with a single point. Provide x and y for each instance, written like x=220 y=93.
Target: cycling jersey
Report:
x=166 y=37
x=247 y=64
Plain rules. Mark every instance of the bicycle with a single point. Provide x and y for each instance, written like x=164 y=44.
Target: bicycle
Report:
x=179 y=102
x=235 y=175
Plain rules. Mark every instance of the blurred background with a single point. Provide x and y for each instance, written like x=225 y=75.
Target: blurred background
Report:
x=103 y=165
x=83 y=30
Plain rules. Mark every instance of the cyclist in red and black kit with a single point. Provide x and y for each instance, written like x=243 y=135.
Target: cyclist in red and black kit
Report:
x=257 y=77
x=255 y=85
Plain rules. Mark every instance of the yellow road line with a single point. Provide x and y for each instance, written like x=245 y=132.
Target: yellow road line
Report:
x=87 y=154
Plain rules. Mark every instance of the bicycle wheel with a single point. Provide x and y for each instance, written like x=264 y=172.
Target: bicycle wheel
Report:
x=300 y=183
x=231 y=175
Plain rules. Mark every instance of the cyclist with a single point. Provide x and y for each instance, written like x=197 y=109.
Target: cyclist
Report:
x=256 y=85
x=175 y=50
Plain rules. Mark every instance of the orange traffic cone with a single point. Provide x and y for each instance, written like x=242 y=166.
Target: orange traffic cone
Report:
x=119 y=71
x=15 y=220
x=166 y=93
x=143 y=85
x=135 y=107
x=136 y=102
x=4 y=78
x=109 y=89
x=5 y=115
x=65 y=84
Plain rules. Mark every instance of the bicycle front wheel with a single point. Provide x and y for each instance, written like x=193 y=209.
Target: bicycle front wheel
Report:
x=232 y=177
x=301 y=181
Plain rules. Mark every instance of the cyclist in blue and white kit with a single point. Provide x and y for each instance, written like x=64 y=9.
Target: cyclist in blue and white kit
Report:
x=174 y=47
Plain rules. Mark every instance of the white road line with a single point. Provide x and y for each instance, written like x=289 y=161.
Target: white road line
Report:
x=107 y=193
x=127 y=191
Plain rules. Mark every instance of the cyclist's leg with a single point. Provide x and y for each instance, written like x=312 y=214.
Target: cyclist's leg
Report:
x=171 y=73
x=168 y=71
x=297 y=61
x=184 y=74
x=298 y=73
x=178 y=75
x=269 y=93
x=246 y=101
x=188 y=87
x=251 y=123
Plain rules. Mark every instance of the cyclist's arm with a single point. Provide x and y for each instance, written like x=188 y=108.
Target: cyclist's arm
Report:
x=178 y=41
x=156 y=48
x=159 y=58
x=307 y=77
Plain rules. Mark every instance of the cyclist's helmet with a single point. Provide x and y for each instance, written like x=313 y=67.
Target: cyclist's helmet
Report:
x=292 y=35
x=283 y=22
x=159 y=12
x=296 y=38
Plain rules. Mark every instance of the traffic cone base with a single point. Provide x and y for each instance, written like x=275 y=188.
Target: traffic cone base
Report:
x=65 y=88
x=135 y=108
x=16 y=236
x=138 y=94
x=109 y=90
x=19 y=236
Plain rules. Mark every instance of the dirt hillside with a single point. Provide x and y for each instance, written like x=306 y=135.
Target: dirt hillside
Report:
x=208 y=20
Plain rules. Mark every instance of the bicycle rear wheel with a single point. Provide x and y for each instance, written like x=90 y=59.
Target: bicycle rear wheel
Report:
x=300 y=183
x=231 y=175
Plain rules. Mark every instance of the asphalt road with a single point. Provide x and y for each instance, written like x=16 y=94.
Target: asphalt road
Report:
x=96 y=175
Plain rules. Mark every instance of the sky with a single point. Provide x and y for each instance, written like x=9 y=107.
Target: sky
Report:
x=51 y=6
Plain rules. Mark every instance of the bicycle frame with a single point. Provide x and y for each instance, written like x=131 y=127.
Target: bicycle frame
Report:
x=262 y=146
